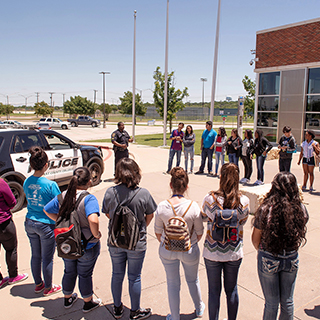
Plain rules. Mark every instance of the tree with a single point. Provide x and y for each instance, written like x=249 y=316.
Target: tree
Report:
x=174 y=100
x=108 y=109
x=126 y=104
x=43 y=109
x=250 y=87
x=79 y=105
x=6 y=109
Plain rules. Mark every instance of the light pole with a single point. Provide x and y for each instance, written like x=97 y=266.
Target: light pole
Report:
x=203 y=81
x=165 y=102
x=26 y=102
x=104 y=96
x=215 y=62
x=134 y=78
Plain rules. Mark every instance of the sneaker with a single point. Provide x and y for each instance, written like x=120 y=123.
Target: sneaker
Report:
x=311 y=189
x=140 y=314
x=68 y=302
x=304 y=188
x=55 y=288
x=18 y=278
x=211 y=173
x=190 y=172
x=243 y=180
x=169 y=317
x=91 y=305
x=261 y=183
x=118 y=311
x=39 y=288
x=199 y=172
x=4 y=282
x=199 y=313
x=256 y=183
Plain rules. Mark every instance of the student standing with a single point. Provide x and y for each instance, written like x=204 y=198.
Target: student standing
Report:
x=247 y=146
x=189 y=140
x=8 y=236
x=308 y=148
x=39 y=191
x=224 y=257
x=88 y=212
x=176 y=146
x=178 y=205
x=234 y=145
x=279 y=230
x=207 y=145
x=261 y=147
x=139 y=200
x=287 y=146
x=220 y=147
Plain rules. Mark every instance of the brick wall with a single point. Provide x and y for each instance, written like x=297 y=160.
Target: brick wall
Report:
x=292 y=45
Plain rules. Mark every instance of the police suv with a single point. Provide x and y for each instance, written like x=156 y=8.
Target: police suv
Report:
x=64 y=156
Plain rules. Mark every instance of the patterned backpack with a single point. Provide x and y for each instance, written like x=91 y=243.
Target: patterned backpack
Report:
x=177 y=236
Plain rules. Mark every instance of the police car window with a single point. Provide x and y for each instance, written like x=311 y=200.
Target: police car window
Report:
x=57 y=143
x=26 y=141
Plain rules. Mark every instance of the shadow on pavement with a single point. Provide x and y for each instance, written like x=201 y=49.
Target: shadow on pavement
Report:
x=190 y=316
x=25 y=291
x=315 y=312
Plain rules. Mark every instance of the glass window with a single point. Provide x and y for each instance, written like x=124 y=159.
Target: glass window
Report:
x=266 y=119
x=268 y=103
x=313 y=103
x=57 y=143
x=314 y=81
x=49 y=120
x=270 y=134
x=269 y=83
x=312 y=121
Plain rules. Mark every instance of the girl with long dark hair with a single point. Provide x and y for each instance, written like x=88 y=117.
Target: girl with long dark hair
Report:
x=88 y=212
x=39 y=191
x=226 y=256
x=180 y=206
x=189 y=140
x=233 y=145
x=245 y=156
x=279 y=230
x=139 y=200
x=220 y=147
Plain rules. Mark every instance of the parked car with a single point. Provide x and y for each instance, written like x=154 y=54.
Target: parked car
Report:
x=14 y=124
x=314 y=122
x=43 y=125
x=64 y=156
x=55 y=123
x=84 y=120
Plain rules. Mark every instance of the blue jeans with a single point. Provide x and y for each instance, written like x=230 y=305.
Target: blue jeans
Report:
x=206 y=153
x=190 y=262
x=260 y=163
x=233 y=158
x=277 y=276
x=171 y=156
x=218 y=155
x=188 y=151
x=230 y=277
x=119 y=258
x=43 y=245
x=82 y=267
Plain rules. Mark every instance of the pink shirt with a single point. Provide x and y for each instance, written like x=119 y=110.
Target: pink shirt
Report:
x=7 y=201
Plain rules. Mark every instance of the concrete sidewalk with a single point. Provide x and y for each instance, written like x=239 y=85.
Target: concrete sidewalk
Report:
x=20 y=302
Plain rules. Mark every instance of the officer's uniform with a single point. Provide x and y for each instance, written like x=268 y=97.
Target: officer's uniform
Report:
x=122 y=138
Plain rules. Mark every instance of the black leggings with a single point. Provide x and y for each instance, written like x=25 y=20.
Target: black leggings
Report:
x=247 y=162
x=8 y=239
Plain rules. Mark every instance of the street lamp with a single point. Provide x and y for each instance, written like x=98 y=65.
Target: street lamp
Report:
x=134 y=78
x=26 y=102
x=165 y=102
x=203 y=81
x=104 y=96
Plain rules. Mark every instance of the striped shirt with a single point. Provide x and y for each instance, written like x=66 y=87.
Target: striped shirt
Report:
x=308 y=151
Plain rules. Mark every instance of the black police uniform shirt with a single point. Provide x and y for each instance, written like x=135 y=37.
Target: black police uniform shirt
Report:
x=120 y=137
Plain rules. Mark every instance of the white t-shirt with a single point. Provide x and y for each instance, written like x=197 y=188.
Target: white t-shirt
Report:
x=193 y=217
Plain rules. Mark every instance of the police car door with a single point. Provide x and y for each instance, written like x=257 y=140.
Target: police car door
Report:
x=19 y=154
x=66 y=157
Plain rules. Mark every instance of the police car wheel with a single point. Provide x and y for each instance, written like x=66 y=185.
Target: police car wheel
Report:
x=18 y=193
x=96 y=172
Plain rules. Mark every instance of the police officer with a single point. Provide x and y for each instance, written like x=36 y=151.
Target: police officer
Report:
x=120 y=139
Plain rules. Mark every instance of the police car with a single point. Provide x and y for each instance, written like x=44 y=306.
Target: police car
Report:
x=64 y=156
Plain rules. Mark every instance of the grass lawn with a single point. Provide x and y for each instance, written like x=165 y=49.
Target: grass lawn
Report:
x=156 y=140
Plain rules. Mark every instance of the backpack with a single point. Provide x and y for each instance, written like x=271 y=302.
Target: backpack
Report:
x=69 y=239
x=225 y=227
x=177 y=236
x=125 y=228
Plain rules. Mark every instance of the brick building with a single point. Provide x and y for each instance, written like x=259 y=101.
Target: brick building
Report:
x=288 y=79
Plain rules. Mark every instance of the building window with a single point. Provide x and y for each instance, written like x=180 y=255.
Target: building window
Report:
x=312 y=120
x=268 y=104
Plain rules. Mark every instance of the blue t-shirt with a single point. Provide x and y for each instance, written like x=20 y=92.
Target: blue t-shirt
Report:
x=208 y=138
x=91 y=206
x=39 y=191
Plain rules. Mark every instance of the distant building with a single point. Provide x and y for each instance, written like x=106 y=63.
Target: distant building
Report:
x=288 y=79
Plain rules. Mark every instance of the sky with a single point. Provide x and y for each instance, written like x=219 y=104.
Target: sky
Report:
x=61 y=46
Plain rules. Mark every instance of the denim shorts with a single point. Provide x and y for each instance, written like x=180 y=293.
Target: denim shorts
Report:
x=309 y=161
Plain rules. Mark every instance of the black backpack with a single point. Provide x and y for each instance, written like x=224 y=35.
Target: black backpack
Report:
x=70 y=241
x=125 y=228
